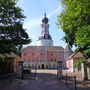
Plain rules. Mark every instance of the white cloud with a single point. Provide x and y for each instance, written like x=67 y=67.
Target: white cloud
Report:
x=54 y=12
x=33 y=23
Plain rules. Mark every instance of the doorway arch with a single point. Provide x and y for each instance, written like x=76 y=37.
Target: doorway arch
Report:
x=42 y=66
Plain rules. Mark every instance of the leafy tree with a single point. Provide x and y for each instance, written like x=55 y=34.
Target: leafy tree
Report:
x=12 y=34
x=75 y=22
x=78 y=64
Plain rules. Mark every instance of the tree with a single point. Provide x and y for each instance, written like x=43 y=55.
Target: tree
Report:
x=78 y=64
x=12 y=34
x=75 y=22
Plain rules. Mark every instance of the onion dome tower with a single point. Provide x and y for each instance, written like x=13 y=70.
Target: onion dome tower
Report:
x=45 y=38
x=67 y=53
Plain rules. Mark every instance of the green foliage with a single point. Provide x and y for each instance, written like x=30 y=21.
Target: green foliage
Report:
x=78 y=63
x=75 y=22
x=5 y=65
x=2 y=59
x=12 y=34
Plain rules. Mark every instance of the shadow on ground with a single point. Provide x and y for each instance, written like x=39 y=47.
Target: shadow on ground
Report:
x=80 y=85
x=43 y=76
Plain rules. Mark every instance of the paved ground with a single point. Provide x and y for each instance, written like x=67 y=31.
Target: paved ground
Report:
x=46 y=80
x=36 y=85
x=81 y=85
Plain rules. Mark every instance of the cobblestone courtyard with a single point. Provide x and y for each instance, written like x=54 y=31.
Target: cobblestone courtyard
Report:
x=46 y=80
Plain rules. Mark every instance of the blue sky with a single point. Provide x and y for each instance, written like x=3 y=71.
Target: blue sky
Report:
x=34 y=11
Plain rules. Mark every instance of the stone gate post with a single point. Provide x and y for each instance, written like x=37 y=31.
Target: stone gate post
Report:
x=59 y=69
x=20 y=73
x=84 y=71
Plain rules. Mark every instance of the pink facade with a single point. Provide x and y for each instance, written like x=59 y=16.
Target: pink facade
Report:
x=45 y=55
x=48 y=55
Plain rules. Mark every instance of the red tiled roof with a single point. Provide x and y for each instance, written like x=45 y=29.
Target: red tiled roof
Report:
x=16 y=56
x=11 y=55
x=68 y=49
x=53 y=48
x=7 y=55
x=88 y=60
x=77 y=54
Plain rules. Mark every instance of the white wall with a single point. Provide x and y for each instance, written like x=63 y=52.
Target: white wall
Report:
x=45 y=42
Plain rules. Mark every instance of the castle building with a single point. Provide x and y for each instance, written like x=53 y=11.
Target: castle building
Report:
x=44 y=55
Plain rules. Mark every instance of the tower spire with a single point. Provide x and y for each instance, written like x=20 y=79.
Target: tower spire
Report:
x=45 y=38
x=45 y=14
x=45 y=19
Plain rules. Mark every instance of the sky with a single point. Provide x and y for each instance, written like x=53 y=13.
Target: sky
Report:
x=34 y=11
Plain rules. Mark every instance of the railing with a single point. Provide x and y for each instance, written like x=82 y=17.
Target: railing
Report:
x=74 y=81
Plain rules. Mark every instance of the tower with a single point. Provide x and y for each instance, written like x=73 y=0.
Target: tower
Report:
x=67 y=53
x=45 y=38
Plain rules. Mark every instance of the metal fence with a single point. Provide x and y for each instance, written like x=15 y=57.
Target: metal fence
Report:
x=73 y=80
x=6 y=79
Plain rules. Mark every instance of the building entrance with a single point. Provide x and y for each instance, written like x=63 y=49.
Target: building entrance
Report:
x=42 y=66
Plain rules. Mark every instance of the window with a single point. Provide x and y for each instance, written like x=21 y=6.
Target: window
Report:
x=42 y=53
x=48 y=60
x=33 y=60
x=24 y=60
x=51 y=54
x=51 y=60
x=25 y=54
x=33 y=53
x=36 y=59
x=55 y=60
x=28 y=59
x=42 y=59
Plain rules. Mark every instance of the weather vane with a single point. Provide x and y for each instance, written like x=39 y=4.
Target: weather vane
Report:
x=45 y=10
